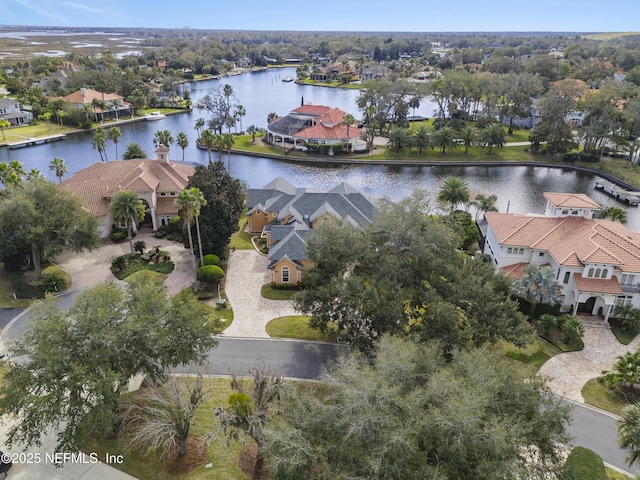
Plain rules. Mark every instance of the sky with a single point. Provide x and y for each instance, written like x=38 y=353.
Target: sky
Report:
x=332 y=15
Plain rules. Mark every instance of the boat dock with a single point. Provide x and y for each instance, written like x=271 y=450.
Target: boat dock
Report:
x=35 y=141
x=629 y=197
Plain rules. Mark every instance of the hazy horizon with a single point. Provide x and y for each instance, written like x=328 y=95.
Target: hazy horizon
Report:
x=429 y=16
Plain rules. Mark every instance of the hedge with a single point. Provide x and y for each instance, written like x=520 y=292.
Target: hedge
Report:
x=583 y=464
x=209 y=274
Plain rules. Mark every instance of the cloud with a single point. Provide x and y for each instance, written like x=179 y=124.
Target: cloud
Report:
x=41 y=11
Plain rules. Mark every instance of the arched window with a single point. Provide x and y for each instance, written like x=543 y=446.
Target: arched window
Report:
x=605 y=273
x=285 y=274
x=597 y=273
x=566 y=277
x=590 y=274
x=509 y=250
x=521 y=251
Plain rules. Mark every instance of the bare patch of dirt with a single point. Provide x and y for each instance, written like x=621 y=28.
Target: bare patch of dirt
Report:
x=176 y=464
x=247 y=463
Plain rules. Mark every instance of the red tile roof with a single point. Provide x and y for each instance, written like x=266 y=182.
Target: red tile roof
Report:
x=312 y=109
x=320 y=131
x=571 y=241
x=571 y=200
x=333 y=116
x=598 y=285
x=96 y=184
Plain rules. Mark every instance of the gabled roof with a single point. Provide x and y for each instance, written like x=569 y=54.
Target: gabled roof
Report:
x=293 y=246
x=281 y=185
x=86 y=95
x=344 y=187
x=571 y=200
x=309 y=109
x=333 y=116
x=324 y=208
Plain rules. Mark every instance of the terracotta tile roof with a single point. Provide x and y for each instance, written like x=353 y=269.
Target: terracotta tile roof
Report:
x=320 y=131
x=89 y=95
x=598 y=285
x=571 y=241
x=96 y=184
x=514 y=271
x=333 y=116
x=571 y=200
x=312 y=109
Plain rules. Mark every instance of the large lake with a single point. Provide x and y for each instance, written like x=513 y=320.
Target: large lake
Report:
x=518 y=188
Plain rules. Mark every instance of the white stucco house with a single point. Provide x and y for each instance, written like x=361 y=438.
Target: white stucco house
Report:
x=597 y=262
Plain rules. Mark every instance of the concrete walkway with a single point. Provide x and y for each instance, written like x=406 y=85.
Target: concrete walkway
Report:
x=568 y=372
x=246 y=273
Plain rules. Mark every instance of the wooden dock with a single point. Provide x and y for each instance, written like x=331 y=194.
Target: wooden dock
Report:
x=27 y=142
x=626 y=196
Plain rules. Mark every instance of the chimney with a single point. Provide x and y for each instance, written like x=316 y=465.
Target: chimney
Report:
x=83 y=92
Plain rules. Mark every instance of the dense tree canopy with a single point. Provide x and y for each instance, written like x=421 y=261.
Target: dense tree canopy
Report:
x=74 y=364
x=411 y=414
x=224 y=203
x=38 y=220
x=402 y=274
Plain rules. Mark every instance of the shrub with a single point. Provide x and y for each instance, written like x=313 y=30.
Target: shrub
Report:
x=583 y=464
x=209 y=274
x=119 y=263
x=547 y=322
x=589 y=156
x=571 y=329
x=211 y=259
x=54 y=283
x=483 y=122
x=119 y=234
x=174 y=224
x=140 y=246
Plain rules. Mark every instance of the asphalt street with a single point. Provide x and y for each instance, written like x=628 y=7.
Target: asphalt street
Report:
x=590 y=428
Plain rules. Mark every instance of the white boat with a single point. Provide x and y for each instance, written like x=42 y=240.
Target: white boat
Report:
x=287 y=79
x=154 y=116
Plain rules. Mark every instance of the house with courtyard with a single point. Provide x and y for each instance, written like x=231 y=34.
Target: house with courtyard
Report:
x=157 y=182
x=285 y=216
x=597 y=262
x=314 y=124
x=10 y=111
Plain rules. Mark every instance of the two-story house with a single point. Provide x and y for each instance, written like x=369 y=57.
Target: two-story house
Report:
x=10 y=111
x=597 y=262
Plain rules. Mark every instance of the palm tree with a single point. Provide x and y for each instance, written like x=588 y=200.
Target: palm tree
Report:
x=33 y=173
x=422 y=138
x=185 y=205
x=348 y=120
x=271 y=116
x=228 y=142
x=208 y=139
x=238 y=114
x=183 y=142
x=115 y=134
x=616 y=214
x=445 y=139
x=126 y=208
x=398 y=138
x=198 y=202
x=200 y=123
x=4 y=124
x=453 y=192
x=629 y=432
x=538 y=285
x=12 y=173
x=163 y=137
x=219 y=143
x=468 y=137
x=99 y=142
x=485 y=203
x=493 y=135
x=57 y=165
x=369 y=115
x=134 y=151
x=252 y=129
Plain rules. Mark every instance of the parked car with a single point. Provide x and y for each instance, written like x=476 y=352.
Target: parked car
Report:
x=5 y=465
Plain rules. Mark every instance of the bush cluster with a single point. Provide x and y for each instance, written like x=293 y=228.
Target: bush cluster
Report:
x=337 y=149
x=119 y=234
x=209 y=274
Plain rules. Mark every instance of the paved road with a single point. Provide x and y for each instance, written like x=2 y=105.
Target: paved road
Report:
x=590 y=428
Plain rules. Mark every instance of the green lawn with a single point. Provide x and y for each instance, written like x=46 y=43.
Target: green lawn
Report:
x=277 y=294
x=614 y=475
x=295 y=327
x=241 y=240
x=224 y=458
x=624 y=335
x=15 y=134
x=597 y=396
x=529 y=359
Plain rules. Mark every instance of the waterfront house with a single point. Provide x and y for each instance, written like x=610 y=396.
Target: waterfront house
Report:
x=285 y=215
x=597 y=262
x=157 y=182
x=113 y=105
x=10 y=111
x=314 y=124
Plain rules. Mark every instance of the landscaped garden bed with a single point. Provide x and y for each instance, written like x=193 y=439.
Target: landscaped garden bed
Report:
x=155 y=260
